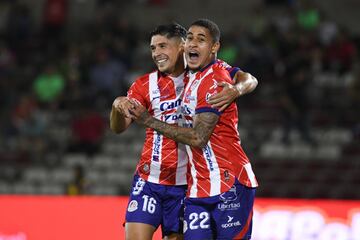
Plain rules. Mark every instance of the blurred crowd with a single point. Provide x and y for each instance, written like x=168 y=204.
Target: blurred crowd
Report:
x=46 y=70
x=50 y=69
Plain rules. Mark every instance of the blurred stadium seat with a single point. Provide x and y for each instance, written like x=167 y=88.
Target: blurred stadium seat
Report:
x=35 y=145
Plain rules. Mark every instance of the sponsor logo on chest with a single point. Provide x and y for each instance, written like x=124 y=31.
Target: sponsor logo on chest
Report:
x=169 y=105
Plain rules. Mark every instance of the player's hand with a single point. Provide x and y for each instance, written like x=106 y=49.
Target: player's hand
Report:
x=138 y=112
x=224 y=98
x=122 y=105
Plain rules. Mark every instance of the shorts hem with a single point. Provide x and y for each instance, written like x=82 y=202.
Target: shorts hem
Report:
x=134 y=221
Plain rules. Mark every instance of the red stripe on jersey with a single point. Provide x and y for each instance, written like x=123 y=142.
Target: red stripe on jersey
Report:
x=216 y=166
x=202 y=175
x=161 y=95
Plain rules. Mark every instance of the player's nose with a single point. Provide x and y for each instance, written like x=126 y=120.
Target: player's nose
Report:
x=193 y=45
x=155 y=52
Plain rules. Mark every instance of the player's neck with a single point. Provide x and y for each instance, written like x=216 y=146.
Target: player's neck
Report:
x=206 y=64
x=178 y=70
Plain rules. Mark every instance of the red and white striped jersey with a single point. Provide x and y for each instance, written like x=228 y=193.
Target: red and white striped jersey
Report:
x=162 y=161
x=214 y=168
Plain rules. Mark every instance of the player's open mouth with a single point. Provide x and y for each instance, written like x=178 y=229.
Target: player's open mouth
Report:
x=193 y=56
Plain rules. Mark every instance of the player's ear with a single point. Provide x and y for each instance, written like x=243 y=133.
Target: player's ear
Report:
x=181 y=46
x=215 y=48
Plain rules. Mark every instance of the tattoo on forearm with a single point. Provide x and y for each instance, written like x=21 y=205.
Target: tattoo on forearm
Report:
x=199 y=135
x=204 y=124
x=178 y=134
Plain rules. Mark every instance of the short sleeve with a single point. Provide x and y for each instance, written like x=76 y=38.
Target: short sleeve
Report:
x=209 y=87
x=232 y=70
x=137 y=91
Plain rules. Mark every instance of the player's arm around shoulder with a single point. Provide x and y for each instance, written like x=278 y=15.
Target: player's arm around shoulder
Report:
x=197 y=136
x=244 y=83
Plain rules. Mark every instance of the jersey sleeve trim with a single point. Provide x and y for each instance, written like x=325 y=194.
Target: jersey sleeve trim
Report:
x=233 y=71
x=207 y=109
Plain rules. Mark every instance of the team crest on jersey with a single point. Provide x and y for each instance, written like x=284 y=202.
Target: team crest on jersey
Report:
x=133 y=206
x=146 y=167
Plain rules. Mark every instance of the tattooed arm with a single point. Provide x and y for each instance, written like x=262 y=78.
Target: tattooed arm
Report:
x=198 y=136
